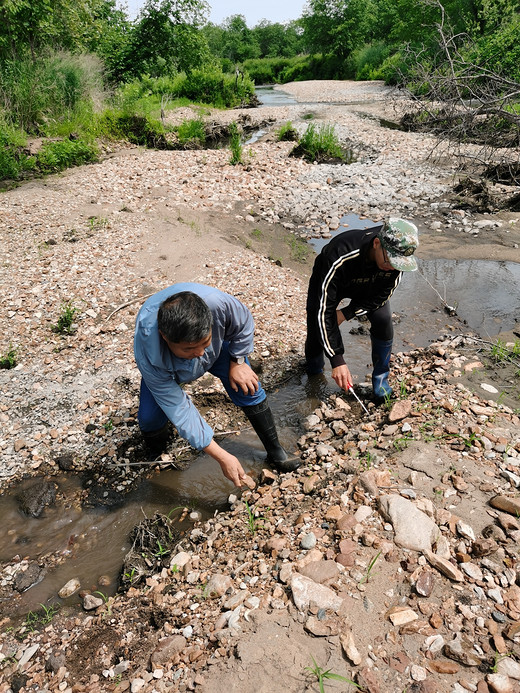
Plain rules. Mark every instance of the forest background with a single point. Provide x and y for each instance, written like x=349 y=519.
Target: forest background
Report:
x=76 y=74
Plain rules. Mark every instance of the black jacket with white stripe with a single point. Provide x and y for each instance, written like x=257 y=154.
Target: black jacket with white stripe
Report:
x=343 y=270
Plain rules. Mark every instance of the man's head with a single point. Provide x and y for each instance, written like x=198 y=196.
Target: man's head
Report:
x=399 y=240
x=185 y=323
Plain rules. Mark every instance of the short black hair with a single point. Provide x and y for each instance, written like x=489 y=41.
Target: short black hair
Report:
x=184 y=317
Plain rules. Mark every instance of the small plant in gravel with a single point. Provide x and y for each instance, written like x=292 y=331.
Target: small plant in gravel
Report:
x=287 y=133
x=368 y=573
x=9 y=359
x=299 y=248
x=323 y=674
x=252 y=522
x=497 y=658
x=235 y=144
x=35 y=619
x=65 y=324
x=106 y=600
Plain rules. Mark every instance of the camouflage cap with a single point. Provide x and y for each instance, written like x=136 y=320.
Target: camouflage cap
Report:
x=400 y=239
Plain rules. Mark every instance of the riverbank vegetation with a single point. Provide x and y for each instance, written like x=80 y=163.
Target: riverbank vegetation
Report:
x=72 y=75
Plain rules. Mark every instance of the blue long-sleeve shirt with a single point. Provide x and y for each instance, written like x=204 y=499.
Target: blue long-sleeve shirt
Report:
x=163 y=372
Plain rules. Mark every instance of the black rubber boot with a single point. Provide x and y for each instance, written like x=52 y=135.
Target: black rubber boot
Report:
x=156 y=441
x=381 y=353
x=261 y=418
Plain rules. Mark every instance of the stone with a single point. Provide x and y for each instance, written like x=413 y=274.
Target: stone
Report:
x=306 y=592
x=413 y=528
x=349 y=648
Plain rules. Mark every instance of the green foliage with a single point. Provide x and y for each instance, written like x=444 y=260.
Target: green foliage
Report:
x=36 y=619
x=36 y=95
x=9 y=359
x=13 y=160
x=65 y=324
x=322 y=675
x=214 y=87
x=367 y=60
x=235 y=144
x=57 y=156
x=287 y=133
x=319 y=143
x=134 y=128
x=500 y=51
x=191 y=133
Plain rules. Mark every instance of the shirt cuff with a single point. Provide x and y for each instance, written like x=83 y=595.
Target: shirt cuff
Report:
x=337 y=360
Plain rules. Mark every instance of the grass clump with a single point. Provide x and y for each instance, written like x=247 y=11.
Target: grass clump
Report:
x=287 y=133
x=65 y=324
x=323 y=674
x=9 y=359
x=319 y=143
x=235 y=144
x=191 y=133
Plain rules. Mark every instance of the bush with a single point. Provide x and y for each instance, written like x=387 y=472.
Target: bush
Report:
x=214 y=87
x=366 y=60
x=137 y=129
x=191 y=133
x=58 y=155
x=13 y=160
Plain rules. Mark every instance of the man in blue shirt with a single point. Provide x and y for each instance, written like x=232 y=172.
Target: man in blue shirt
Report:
x=181 y=333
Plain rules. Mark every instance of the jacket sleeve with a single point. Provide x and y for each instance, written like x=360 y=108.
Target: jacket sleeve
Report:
x=174 y=402
x=329 y=298
x=358 y=307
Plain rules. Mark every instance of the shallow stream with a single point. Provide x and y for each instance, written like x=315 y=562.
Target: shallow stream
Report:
x=94 y=542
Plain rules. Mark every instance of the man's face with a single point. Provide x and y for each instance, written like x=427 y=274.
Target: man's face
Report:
x=188 y=350
x=381 y=257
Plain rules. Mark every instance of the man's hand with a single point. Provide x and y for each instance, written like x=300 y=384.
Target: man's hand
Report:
x=231 y=467
x=340 y=317
x=243 y=376
x=342 y=377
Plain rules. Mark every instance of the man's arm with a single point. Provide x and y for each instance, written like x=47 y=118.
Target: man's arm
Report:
x=229 y=464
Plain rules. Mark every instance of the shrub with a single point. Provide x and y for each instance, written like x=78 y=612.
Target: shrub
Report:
x=58 y=155
x=214 y=87
x=366 y=60
x=235 y=144
x=287 y=133
x=137 y=129
x=9 y=360
x=191 y=132
x=13 y=159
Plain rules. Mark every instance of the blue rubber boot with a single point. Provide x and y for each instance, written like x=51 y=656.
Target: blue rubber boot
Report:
x=381 y=353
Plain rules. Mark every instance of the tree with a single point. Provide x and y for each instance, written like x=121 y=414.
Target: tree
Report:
x=239 y=42
x=277 y=40
x=28 y=25
x=338 y=27
x=166 y=36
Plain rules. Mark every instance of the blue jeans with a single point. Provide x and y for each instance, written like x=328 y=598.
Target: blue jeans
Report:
x=151 y=417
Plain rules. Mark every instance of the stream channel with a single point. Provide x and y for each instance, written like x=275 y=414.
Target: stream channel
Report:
x=94 y=542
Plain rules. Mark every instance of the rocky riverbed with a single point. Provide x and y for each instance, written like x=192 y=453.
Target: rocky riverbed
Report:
x=390 y=557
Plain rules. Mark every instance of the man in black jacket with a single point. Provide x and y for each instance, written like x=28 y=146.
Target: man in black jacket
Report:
x=366 y=266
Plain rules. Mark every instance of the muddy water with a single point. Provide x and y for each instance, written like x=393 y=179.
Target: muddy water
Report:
x=93 y=543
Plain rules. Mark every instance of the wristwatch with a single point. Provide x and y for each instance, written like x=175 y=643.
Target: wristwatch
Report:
x=238 y=359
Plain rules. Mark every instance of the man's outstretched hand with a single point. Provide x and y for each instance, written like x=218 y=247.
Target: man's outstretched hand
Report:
x=231 y=467
x=341 y=376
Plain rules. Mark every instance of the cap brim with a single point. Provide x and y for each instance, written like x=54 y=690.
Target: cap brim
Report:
x=402 y=263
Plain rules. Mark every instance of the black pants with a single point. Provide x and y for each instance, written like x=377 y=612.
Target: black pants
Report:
x=381 y=327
